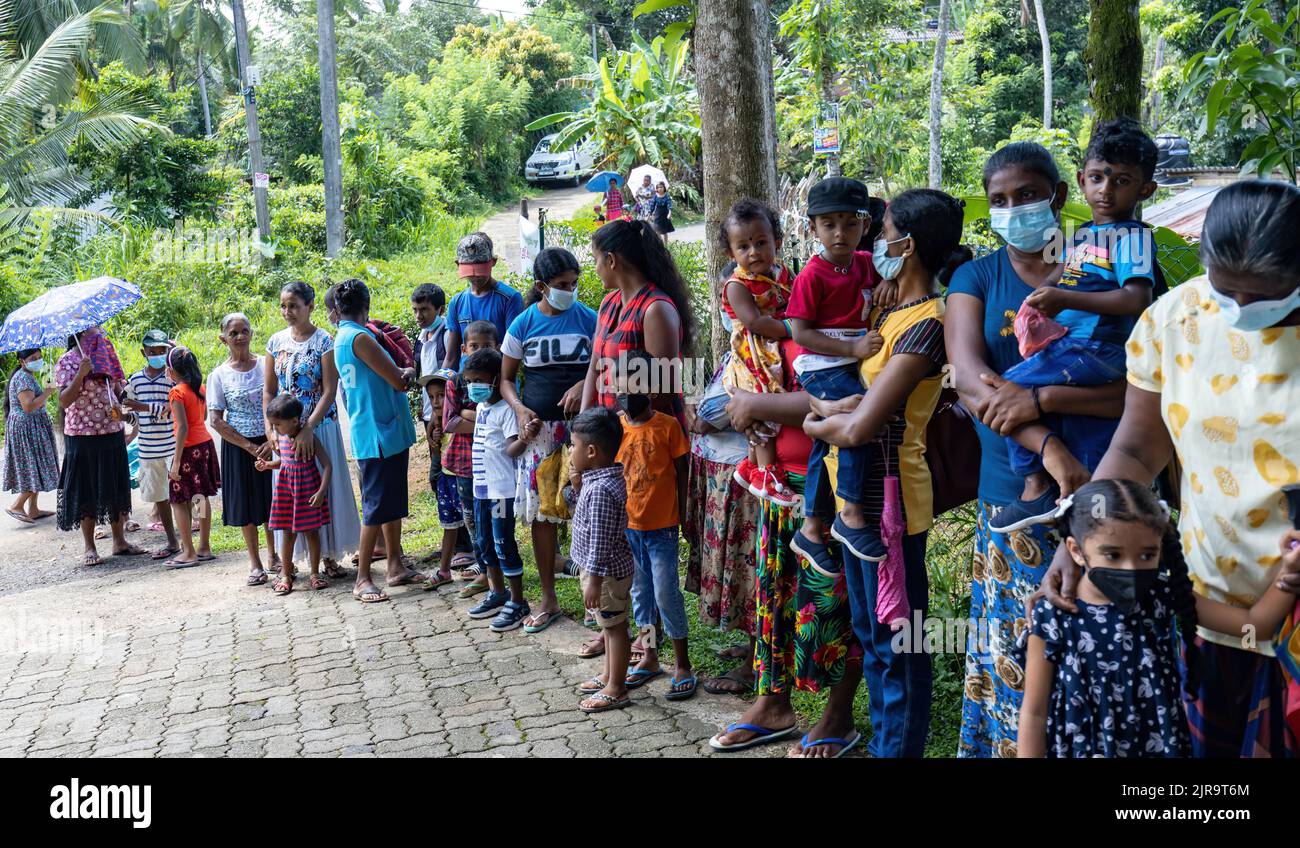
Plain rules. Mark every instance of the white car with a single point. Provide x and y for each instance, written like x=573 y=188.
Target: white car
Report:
x=571 y=165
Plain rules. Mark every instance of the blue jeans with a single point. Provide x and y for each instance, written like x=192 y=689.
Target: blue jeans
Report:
x=494 y=525
x=854 y=464
x=1066 y=362
x=465 y=488
x=656 y=586
x=899 y=683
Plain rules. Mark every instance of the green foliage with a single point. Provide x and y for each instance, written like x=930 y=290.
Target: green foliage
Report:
x=645 y=109
x=525 y=54
x=1249 y=80
x=288 y=112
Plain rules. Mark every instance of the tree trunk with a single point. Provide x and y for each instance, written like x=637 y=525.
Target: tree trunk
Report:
x=243 y=59
x=733 y=54
x=200 y=70
x=1114 y=59
x=1047 y=63
x=331 y=146
x=936 y=93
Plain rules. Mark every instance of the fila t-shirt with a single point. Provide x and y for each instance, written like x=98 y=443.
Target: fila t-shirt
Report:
x=554 y=351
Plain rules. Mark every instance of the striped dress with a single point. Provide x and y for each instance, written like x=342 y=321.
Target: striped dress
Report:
x=294 y=487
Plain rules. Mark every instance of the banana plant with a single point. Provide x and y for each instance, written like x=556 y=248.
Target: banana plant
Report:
x=644 y=109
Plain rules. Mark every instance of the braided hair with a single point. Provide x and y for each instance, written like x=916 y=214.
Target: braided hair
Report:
x=1101 y=501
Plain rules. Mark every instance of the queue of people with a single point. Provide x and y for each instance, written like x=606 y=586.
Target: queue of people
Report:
x=1114 y=622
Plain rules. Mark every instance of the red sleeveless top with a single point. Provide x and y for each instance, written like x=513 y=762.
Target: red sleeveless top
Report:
x=620 y=328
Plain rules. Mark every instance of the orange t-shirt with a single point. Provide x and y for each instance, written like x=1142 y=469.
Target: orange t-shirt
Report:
x=649 y=453
x=195 y=411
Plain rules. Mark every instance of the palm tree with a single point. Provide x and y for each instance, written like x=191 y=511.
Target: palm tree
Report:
x=645 y=109
x=44 y=111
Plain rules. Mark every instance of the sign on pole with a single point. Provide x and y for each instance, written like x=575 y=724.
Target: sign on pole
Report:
x=261 y=180
x=826 y=135
x=530 y=244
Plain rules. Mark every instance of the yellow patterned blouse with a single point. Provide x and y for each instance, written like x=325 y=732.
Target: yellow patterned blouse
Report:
x=1232 y=406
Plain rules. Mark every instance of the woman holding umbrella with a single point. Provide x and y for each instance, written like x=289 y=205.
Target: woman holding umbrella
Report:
x=95 y=484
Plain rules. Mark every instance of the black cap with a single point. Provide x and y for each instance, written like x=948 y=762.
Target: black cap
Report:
x=838 y=194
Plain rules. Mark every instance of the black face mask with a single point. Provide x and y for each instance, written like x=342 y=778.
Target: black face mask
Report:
x=1125 y=588
x=634 y=405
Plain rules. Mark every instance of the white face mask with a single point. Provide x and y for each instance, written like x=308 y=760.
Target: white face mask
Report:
x=560 y=299
x=1259 y=315
x=34 y=365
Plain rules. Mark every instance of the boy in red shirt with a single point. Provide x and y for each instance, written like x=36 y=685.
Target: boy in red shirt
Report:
x=828 y=310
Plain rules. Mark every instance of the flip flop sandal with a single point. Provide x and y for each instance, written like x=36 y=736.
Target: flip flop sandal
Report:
x=258 y=579
x=20 y=516
x=711 y=686
x=591 y=686
x=176 y=563
x=471 y=590
x=283 y=587
x=132 y=526
x=155 y=526
x=675 y=694
x=638 y=677
x=319 y=582
x=334 y=571
x=462 y=560
x=376 y=596
x=846 y=745
x=607 y=703
x=206 y=557
x=766 y=735
x=132 y=551
x=591 y=649
x=165 y=553
x=435 y=581
x=101 y=532
x=407 y=580
x=547 y=619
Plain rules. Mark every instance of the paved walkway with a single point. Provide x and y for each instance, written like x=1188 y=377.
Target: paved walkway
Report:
x=139 y=661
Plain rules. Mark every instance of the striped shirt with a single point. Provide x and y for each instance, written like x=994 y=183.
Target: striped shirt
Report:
x=157 y=436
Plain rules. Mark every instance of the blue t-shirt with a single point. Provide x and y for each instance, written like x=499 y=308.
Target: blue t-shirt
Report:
x=555 y=352
x=1102 y=258
x=498 y=307
x=993 y=280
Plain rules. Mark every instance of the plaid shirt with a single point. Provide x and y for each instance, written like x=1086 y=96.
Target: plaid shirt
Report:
x=458 y=459
x=599 y=531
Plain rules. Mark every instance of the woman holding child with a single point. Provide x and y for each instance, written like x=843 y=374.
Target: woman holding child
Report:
x=1025 y=194
x=302 y=364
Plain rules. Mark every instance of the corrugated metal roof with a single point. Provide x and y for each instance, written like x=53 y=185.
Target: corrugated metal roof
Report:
x=1184 y=212
x=898 y=35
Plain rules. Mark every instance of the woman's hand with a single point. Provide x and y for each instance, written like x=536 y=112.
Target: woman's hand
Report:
x=304 y=444
x=1058 y=586
x=530 y=430
x=265 y=451
x=251 y=449
x=1067 y=471
x=1007 y=407
x=814 y=425
x=827 y=408
x=84 y=368
x=740 y=409
x=524 y=417
x=571 y=403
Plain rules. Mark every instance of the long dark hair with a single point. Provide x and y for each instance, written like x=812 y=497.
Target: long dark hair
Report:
x=1125 y=500
x=352 y=298
x=1250 y=230
x=22 y=354
x=186 y=365
x=934 y=220
x=636 y=242
x=549 y=264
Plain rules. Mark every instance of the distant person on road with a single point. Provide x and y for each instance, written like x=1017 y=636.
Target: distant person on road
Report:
x=613 y=201
x=485 y=299
x=195 y=473
x=645 y=195
x=661 y=211
x=31 y=464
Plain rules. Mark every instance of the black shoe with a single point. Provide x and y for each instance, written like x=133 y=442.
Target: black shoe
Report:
x=815 y=554
x=863 y=542
x=1021 y=514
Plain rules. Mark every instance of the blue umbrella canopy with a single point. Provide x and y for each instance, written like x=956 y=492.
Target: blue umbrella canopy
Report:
x=600 y=182
x=49 y=319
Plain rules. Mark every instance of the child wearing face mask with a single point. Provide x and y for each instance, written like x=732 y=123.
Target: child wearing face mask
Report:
x=497 y=446
x=654 y=455
x=1108 y=279
x=146 y=394
x=1104 y=682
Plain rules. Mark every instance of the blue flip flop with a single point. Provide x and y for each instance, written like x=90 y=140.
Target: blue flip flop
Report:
x=638 y=677
x=846 y=745
x=765 y=735
x=675 y=694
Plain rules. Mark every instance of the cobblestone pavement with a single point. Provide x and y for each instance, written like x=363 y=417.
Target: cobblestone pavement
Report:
x=146 y=662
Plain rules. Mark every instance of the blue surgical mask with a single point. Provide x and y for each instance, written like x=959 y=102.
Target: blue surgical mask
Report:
x=34 y=365
x=1259 y=315
x=157 y=361
x=480 y=392
x=887 y=266
x=1028 y=227
x=560 y=299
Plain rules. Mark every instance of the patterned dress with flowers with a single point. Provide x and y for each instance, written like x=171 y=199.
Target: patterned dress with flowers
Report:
x=805 y=625
x=756 y=364
x=722 y=526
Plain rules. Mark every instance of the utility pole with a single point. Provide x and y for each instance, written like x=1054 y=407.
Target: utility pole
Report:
x=331 y=147
x=595 y=57
x=250 y=114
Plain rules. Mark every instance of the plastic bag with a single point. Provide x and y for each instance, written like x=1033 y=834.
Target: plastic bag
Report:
x=1034 y=330
x=891 y=592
